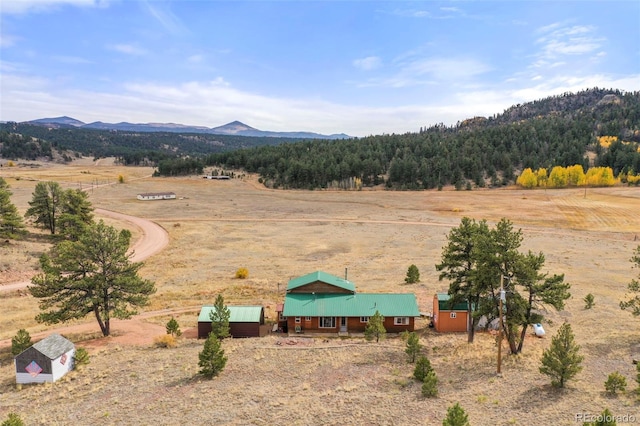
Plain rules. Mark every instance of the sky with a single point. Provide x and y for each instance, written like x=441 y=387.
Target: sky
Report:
x=355 y=67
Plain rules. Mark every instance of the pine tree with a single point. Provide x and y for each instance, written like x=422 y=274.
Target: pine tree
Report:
x=91 y=275
x=219 y=316
x=422 y=369
x=413 y=346
x=430 y=385
x=212 y=359
x=413 y=275
x=46 y=205
x=173 y=328
x=561 y=361
x=375 y=328
x=20 y=342
x=633 y=304
x=11 y=223
x=456 y=416
x=606 y=418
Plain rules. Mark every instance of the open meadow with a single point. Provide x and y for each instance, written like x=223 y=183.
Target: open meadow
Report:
x=216 y=227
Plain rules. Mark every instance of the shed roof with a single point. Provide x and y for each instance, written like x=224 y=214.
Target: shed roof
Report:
x=350 y=305
x=237 y=313
x=323 y=277
x=53 y=346
x=151 y=194
x=443 y=303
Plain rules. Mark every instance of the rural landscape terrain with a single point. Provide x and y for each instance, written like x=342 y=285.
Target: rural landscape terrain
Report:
x=372 y=235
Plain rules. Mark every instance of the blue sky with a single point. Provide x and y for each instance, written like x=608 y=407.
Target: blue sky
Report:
x=358 y=67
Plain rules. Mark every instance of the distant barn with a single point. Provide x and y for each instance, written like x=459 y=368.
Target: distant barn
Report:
x=157 y=196
x=45 y=361
x=244 y=321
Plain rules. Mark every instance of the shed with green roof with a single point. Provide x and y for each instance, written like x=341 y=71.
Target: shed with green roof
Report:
x=244 y=321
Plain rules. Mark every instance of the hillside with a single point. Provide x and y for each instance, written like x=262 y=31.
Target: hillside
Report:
x=478 y=152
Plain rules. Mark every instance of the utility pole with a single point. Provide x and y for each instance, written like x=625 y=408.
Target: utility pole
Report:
x=499 y=369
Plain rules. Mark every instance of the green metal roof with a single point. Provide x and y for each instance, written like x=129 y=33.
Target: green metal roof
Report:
x=443 y=303
x=323 y=277
x=238 y=313
x=350 y=305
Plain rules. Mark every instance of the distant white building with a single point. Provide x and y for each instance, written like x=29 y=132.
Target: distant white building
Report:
x=157 y=196
x=45 y=361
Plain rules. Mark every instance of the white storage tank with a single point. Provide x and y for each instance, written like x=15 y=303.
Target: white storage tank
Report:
x=538 y=329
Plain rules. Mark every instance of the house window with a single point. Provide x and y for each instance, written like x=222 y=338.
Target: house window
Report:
x=364 y=319
x=307 y=318
x=452 y=315
x=282 y=317
x=327 y=322
x=401 y=321
x=297 y=320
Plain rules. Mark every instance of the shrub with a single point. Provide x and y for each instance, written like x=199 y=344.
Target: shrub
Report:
x=20 y=342
x=242 y=273
x=165 y=341
x=120 y=179
x=423 y=367
x=81 y=357
x=13 y=420
x=430 y=385
x=615 y=382
x=173 y=328
x=456 y=416
x=589 y=301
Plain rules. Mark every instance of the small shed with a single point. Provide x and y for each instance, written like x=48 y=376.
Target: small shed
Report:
x=447 y=318
x=45 y=361
x=244 y=321
x=157 y=196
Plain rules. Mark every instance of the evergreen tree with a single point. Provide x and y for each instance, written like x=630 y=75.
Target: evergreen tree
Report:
x=562 y=360
x=46 y=205
x=20 y=342
x=423 y=367
x=173 y=328
x=76 y=214
x=13 y=419
x=91 y=275
x=375 y=328
x=413 y=346
x=615 y=382
x=606 y=418
x=212 y=359
x=430 y=385
x=456 y=416
x=11 y=223
x=219 y=316
x=413 y=275
x=633 y=304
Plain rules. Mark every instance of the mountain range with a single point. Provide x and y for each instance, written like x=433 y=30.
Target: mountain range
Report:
x=234 y=128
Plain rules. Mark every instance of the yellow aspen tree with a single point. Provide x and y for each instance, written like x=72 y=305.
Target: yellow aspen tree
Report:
x=542 y=176
x=558 y=177
x=575 y=175
x=527 y=179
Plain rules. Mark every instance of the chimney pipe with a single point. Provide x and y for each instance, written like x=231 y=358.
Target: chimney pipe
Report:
x=345 y=274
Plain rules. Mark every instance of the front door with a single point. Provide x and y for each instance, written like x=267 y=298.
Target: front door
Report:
x=343 y=324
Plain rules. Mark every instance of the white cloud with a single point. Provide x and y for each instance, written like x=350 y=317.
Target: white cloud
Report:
x=560 y=40
x=165 y=17
x=367 y=64
x=128 y=49
x=38 y=6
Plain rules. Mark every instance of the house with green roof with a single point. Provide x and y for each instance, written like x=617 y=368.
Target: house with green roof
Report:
x=323 y=303
x=244 y=321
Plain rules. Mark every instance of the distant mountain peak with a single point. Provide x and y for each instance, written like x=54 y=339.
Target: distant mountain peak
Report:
x=57 y=121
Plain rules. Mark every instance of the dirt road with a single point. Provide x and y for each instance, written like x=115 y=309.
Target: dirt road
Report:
x=153 y=240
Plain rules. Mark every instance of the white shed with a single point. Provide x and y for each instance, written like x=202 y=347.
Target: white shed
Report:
x=45 y=361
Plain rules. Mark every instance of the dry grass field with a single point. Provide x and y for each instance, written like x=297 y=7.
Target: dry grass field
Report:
x=216 y=227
